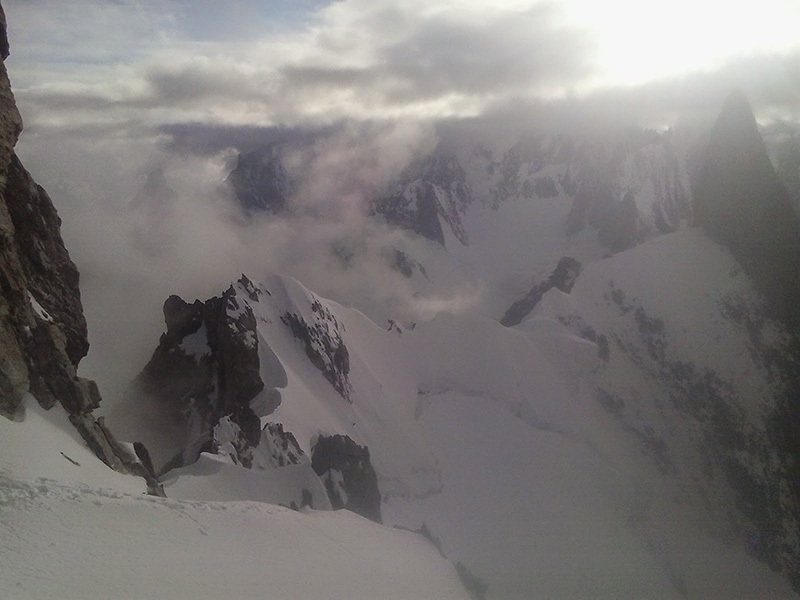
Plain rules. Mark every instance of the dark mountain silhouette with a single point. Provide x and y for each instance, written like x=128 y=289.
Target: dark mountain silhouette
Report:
x=741 y=202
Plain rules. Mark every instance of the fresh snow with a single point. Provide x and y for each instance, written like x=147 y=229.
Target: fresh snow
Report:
x=75 y=531
x=196 y=344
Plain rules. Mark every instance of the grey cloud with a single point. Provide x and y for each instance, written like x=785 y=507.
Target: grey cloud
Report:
x=507 y=53
x=440 y=56
x=194 y=84
x=771 y=83
x=328 y=76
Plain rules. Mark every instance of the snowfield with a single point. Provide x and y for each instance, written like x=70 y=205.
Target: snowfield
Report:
x=77 y=531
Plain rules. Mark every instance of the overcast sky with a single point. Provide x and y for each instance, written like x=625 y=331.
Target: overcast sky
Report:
x=289 y=62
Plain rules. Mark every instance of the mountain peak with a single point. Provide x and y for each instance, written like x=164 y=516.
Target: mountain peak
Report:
x=740 y=202
x=736 y=130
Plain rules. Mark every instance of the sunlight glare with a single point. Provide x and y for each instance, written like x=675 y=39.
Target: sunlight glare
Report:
x=639 y=41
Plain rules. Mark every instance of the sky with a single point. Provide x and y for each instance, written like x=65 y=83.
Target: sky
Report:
x=112 y=90
x=106 y=63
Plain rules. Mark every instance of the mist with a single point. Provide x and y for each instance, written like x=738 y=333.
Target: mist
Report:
x=144 y=218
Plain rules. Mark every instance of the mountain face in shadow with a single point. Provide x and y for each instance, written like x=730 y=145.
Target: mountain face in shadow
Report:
x=741 y=202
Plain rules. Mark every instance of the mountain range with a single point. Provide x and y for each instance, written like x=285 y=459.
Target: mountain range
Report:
x=610 y=411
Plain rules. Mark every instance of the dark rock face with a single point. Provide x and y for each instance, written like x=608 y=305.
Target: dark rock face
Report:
x=260 y=182
x=323 y=345
x=4 y=50
x=562 y=278
x=741 y=202
x=403 y=263
x=42 y=327
x=205 y=367
x=51 y=274
x=275 y=447
x=349 y=478
x=430 y=191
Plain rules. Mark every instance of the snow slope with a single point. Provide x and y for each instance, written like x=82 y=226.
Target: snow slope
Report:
x=71 y=529
x=567 y=457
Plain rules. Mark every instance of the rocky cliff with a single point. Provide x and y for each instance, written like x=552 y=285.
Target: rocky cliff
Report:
x=260 y=182
x=42 y=327
x=350 y=479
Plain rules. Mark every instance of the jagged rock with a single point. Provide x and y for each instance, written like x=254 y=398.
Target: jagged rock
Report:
x=415 y=208
x=275 y=448
x=205 y=368
x=283 y=447
x=4 y=50
x=562 y=278
x=603 y=177
x=741 y=202
x=324 y=346
x=235 y=344
x=430 y=192
x=143 y=454
x=349 y=477
x=51 y=275
x=403 y=263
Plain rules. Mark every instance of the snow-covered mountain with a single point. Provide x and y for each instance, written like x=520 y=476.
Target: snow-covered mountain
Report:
x=628 y=185
x=594 y=396
x=618 y=433
x=634 y=414
x=73 y=528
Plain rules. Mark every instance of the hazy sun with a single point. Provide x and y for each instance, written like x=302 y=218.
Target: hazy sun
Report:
x=639 y=40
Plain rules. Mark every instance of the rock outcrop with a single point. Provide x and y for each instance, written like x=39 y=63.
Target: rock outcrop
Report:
x=628 y=185
x=562 y=278
x=431 y=193
x=205 y=368
x=43 y=332
x=349 y=477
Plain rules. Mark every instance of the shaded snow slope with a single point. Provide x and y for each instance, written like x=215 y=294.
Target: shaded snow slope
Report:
x=70 y=528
